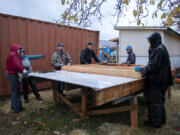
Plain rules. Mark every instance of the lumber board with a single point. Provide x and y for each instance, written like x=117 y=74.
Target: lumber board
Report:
x=71 y=105
x=112 y=110
x=111 y=94
x=117 y=66
x=104 y=71
x=113 y=66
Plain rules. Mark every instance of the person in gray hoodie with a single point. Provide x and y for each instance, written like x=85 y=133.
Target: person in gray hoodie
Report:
x=26 y=80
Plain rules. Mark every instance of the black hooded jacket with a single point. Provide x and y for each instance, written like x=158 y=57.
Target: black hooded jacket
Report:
x=158 y=70
x=87 y=55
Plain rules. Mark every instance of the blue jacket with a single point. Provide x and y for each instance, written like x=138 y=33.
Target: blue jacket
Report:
x=26 y=62
x=131 y=58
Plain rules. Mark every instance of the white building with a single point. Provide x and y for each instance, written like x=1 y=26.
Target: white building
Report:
x=136 y=37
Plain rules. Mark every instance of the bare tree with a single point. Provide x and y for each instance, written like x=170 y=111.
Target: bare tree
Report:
x=81 y=11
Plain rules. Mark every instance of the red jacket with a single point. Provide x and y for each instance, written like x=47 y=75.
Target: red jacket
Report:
x=13 y=63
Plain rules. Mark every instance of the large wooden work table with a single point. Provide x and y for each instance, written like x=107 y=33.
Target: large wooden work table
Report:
x=104 y=83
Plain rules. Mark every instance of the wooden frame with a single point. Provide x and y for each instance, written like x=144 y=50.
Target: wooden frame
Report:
x=84 y=110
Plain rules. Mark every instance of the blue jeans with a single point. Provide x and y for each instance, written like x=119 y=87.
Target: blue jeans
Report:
x=16 y=104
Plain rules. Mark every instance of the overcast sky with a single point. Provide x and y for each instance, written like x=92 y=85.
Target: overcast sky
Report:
x=50 y=10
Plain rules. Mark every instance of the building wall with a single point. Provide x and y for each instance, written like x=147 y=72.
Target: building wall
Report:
x=172 y=42
x=137 y=38
x=39 y=37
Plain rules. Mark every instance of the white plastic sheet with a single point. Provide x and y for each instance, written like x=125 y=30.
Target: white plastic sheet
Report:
x=93 y=81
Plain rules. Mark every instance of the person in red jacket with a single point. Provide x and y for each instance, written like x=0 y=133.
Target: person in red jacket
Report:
x=13 y=67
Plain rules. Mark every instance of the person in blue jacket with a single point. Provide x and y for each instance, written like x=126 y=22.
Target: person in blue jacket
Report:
x=26 y=80
x=131 y=55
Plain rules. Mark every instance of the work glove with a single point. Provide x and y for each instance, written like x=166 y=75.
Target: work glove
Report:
x=24 y=71
x=137 y=69
x=141 y=70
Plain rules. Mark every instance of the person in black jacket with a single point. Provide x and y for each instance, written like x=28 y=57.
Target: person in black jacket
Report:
x=158 y=79
x=131 y=55
x=87 y=54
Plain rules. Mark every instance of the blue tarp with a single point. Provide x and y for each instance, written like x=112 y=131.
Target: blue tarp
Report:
x=105 y=51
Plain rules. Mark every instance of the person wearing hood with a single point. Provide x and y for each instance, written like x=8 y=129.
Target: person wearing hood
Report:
x=13 y=67
x=158 y=79
x=26 y=79
x=87 y=54
x=131 y=55
x=60 y=58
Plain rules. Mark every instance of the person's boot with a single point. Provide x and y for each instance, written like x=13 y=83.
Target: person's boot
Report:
x=157 y=125
x=163 y=115
x=156 y=115
x=23 y=109
x=20 y=110
x=148 y=122
x=39 y=98
x=26 y=100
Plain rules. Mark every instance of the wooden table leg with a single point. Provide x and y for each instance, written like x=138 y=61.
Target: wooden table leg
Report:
x=84 y=101
x=169 y=93
x=134 y=114
x=53 y=84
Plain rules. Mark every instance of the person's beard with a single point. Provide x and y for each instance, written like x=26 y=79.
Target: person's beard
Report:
x=129 y=52
x=60 y=51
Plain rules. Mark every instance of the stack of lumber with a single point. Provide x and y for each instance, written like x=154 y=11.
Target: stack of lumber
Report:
x=112 y=70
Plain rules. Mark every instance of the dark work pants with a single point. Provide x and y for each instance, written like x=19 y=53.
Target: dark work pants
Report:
x=155 y=104
x=16 y=104
x=178 y=75
x=25 y=83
